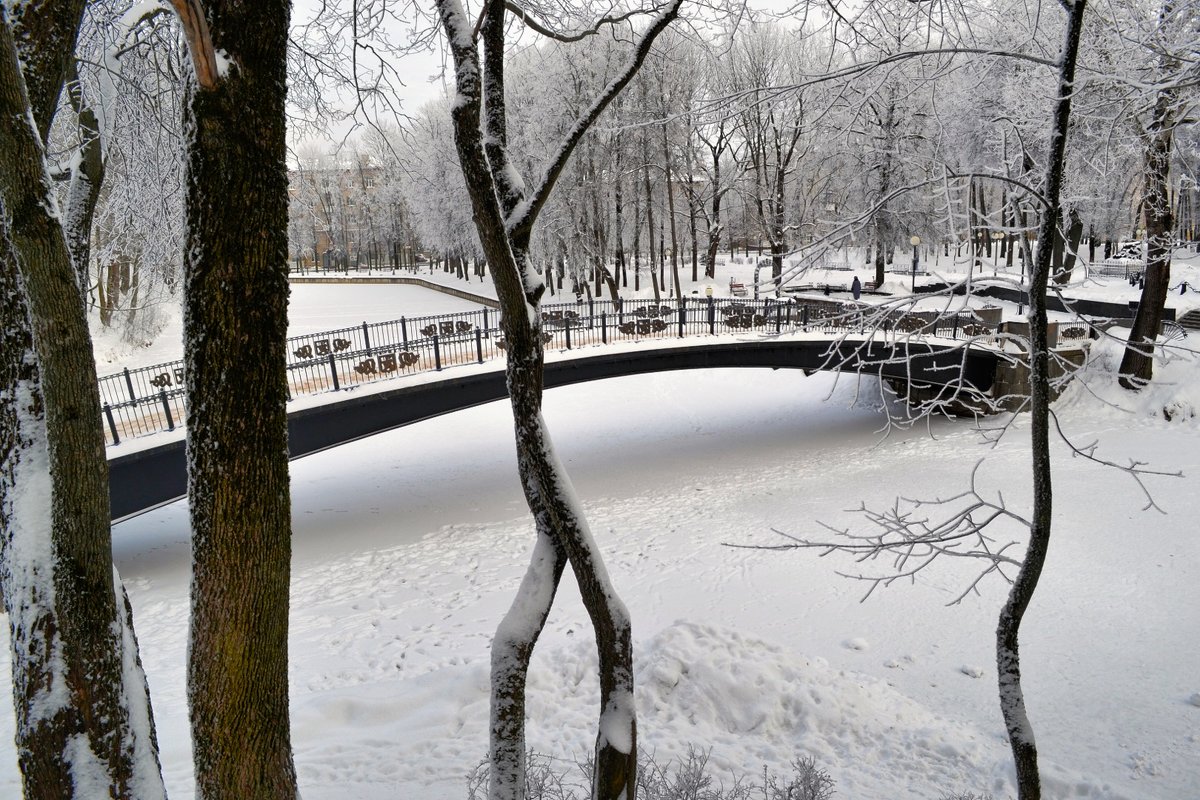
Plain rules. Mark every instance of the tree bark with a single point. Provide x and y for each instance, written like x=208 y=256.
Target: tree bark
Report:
x=82 y=707
x=1008 y=663
x=1071 y=242
x=235 y=328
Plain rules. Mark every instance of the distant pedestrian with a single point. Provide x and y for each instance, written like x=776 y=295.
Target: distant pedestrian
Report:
x=856 y=288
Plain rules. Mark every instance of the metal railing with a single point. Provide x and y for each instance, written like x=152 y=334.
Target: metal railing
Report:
x=1116 y=267
x=138 y=402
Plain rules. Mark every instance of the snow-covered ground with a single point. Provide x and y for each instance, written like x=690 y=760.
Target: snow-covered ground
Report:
x=409 y=546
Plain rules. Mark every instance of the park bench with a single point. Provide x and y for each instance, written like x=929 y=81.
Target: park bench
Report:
x=737 y=289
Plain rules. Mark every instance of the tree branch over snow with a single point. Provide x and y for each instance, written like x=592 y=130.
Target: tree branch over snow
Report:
x=1134 y=469
x=537 y=26
x=913 y=541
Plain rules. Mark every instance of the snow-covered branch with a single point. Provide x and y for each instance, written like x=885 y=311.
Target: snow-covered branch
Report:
x=523 y=217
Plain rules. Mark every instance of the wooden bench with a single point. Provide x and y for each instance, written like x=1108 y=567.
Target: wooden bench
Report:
x=737 y=289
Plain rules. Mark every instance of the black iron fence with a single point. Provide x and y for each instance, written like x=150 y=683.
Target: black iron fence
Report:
x=137 y=402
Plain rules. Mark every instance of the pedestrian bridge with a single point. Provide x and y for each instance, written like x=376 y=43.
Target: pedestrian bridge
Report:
x=150 y=477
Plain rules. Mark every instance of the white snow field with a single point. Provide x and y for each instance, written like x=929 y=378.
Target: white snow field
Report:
x=409 y=546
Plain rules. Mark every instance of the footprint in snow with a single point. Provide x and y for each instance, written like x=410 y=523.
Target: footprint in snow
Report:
x=856 y=644
x=971 y=671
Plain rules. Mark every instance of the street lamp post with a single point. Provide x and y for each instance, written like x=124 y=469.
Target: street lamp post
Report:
x=916 y=243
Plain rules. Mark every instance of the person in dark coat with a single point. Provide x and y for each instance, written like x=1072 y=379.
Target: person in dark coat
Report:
x=856 y=288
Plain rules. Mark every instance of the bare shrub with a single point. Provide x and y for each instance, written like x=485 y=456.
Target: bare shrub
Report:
x=807 y=782
x=686 y=778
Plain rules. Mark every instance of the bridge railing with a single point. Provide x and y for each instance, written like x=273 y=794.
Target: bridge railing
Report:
x=138 y=402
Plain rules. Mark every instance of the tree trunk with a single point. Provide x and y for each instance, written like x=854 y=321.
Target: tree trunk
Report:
x=714 y=222
x=87 y=178
x=1137 y=365
x=82 y=707
x=637 y=236
x=562 y=530
x=1071 y=243
x=671 y=214
x=649 y=215
x=1008 y=663
x=512 y=649
x=619 y=224
x=235 y=328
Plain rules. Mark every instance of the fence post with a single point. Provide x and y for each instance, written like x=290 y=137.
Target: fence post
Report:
x=366 y=337
x=479 y=344
x=804 y=316
x=404 y=332
x=591 y=311
x=112 y=425
x=437 y=354
x=712 y=316
x=604 y=327
x=333 y=371
x=567 y=329
x=778 y=317
x=485 y=319
x=682 y=317
x=162 y=395
x=129 y=385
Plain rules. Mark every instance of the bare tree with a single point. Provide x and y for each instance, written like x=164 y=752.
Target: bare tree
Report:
x=772 y=123
x=914 y=541
x=505 y=209
x=1137 y=366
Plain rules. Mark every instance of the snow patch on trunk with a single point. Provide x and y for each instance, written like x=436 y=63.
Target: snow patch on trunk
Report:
x=616 y=721
x=30 y=555
x=147 y=772
x=87 y=771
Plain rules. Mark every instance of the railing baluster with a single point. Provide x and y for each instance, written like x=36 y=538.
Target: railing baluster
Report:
x=166 y=404
x=129 y=385
x=112 y=426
